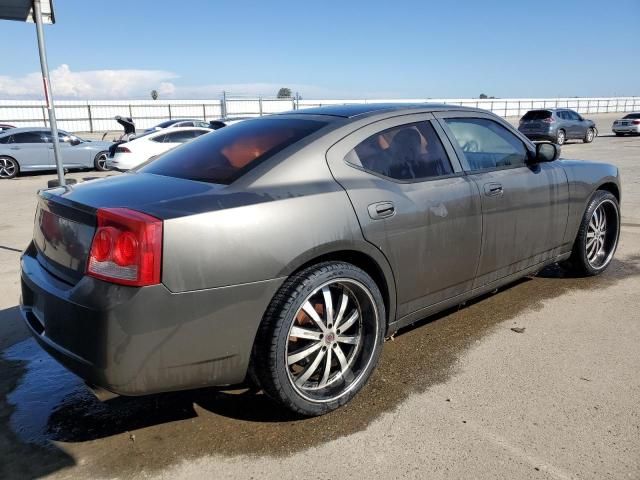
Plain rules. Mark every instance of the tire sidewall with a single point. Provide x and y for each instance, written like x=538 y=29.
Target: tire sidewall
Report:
x=310 y=284
x=586 y=135
x=564 y=137
x=579 y=252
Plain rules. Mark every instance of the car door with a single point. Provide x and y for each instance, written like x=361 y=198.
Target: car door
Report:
x=578 y=124
x=73 y=156
x=425 y=216
x=524 y=207
x=31 y=150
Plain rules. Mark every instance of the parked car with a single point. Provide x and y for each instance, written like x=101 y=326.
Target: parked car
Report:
x=31 y=149
x=125 y=156
x=283 y=250
x=628 y=124
x=557 y=125
x=5 y=126
x=179 y=122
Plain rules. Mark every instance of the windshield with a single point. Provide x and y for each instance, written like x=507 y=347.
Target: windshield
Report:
x=633 y=115
x=226 y=155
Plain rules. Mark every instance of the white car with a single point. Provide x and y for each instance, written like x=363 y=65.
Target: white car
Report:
x=126 y=156
x=627 y=124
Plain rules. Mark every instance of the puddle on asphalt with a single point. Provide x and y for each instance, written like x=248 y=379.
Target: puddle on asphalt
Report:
x=49 y=405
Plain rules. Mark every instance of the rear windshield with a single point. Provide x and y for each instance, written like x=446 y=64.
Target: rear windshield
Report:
x=536 y=115
x=225 y=155
x=633 y=115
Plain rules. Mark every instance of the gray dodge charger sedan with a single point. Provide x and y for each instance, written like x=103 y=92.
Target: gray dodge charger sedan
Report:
x=283 y=250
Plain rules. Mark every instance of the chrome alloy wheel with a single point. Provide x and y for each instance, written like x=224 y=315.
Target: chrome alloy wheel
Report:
x=329 y=344
x=8 y=168
x=561 y=137
x=101 y=161
x=590 y=135
x=602 y=234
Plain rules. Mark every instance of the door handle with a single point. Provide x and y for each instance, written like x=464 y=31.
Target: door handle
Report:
x=493 y=189
x=14 y=148
x=381 y=210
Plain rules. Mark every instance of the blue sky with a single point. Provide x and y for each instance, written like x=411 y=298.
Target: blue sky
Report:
x=330 y=49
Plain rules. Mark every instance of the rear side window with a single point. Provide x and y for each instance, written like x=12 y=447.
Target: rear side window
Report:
x=179 y=137
x=29 y=137
x=632 y=116
x=537 y=115
x=408 y=152
x=229 y=153
x=6 y=139
x=487 y=144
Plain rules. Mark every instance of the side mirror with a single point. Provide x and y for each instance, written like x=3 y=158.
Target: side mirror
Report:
x=74 y=141
x=546 y=152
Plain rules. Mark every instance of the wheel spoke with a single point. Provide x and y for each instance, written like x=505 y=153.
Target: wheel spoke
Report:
x=328 y=305
x=309 y=310
x=351 y=320
x=344 y=365
x=327 y=369
x=299 y=332
x=343 y=307
x=590 y=242
x=351 y=340
x=591 y=234
x=304 y=353
x=311 y=369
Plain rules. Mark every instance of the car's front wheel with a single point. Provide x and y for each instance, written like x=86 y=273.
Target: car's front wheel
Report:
x=320 y=339
x=589 y=136
x=100 y=161
x=597 y=237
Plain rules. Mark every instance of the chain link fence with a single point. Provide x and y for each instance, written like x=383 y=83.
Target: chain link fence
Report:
x=98 y=116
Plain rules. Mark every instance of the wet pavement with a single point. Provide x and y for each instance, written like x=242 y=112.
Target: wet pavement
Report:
x=53 y=418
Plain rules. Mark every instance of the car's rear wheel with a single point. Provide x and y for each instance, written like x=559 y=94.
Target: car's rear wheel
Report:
x=9 y=168
x=561 y=137
x=589 y=136
x=100 y=161
x=598 y=235
x=320 y=339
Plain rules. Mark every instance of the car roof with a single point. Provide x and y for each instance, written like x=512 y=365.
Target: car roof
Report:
x=352 y=110
x=13 y=131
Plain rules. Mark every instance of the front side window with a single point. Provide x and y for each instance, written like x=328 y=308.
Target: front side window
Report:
x=406 y=152
x=232 y=151
x=487 y=144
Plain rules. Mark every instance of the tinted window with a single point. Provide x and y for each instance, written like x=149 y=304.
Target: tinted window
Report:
x=633 y=115
x=7 y=139
x=158 y=138
x=179 y=137
x=407 y=152
x=487 y=144
x=231 y=152
x=166 y=123
x=537 y=115
x=29 y=137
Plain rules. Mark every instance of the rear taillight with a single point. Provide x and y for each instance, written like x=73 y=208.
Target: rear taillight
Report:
x=636 y=122
x=122 y=150
x=549 y=120
x=126 y=248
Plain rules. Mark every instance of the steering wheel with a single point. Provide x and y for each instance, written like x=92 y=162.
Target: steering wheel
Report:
x=470 y=146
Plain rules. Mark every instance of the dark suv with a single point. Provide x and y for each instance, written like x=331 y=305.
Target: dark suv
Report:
x=557 y=125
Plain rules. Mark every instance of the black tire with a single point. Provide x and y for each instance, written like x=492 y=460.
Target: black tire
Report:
x=619 y=134
x=561 y=137
x=100 y=161
x=285 y=380
x=589 y=135
x=587 y=259
x=9 y=167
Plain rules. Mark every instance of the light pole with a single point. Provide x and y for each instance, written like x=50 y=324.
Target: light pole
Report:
x=32 y=11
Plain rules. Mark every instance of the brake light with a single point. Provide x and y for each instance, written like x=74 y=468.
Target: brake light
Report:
x=122 y=150
x=549 y=120
x=126 y=248
x=636 y=122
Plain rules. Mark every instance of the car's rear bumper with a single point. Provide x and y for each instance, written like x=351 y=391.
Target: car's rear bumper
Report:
x=540 y=136
x=626 y=129
x=136 y=341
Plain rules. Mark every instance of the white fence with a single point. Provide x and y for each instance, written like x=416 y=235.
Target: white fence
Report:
x=97 y=116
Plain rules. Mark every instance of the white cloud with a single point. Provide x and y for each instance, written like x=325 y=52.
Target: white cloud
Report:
x=91 y=84
x=133 y=84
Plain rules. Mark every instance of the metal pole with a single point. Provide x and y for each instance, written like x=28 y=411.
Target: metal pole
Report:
x=37 y=13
